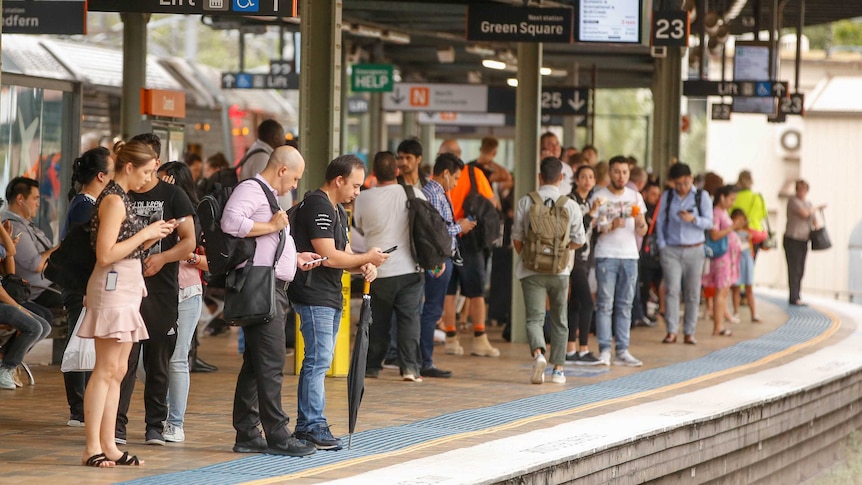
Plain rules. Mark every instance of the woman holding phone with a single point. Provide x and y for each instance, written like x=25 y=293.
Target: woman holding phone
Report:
x=114 y=294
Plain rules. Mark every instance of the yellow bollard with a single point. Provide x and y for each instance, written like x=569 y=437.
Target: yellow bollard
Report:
x=341 y=359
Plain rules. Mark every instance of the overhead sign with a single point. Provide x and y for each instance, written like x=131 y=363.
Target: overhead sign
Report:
x=759 y=89
x=670 y=28
x=462 y=119
x=357 y=105
x=45 y=17
x=271 y=8
x=721 y=112
x=504 y=23
x=559 y=101
x=278 y=67
x=437 y=97
x=610 y=21
x=372 y=78
x=247 y=80
x=162 y=102
x=793 y=105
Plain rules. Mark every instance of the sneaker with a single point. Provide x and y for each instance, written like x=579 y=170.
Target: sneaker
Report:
x=153 y=437
x=256 y=445
x=573 y=357
x=321 y=438
x=643 y=322
x=587 y=359
x=411 y=378
x=627 y=359
x=7 y=378
x=292 y=447
x=391 y=363
x=75 y=423
x=453 y=346
x=558 y=377
x=604 y=357
x=538 y=374
x=174 y=434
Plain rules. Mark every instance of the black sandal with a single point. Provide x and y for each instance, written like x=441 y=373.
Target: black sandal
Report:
x=127 y=460
x=96 y=461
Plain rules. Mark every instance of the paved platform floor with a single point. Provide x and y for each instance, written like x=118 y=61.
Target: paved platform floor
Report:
x=37 y=447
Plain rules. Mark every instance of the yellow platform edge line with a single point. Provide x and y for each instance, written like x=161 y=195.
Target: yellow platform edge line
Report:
x=836 y=324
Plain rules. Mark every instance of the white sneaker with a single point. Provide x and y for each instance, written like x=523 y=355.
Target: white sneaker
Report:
x=7 y=378
x=558 y=377
x=174 y=434
x=538 y=374
x=75 y=423
x=627 y=359
x=605 y=357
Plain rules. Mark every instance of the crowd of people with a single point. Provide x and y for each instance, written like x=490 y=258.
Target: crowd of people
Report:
x=602 y=247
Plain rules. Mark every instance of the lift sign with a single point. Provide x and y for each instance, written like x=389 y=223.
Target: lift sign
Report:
x=519 y=24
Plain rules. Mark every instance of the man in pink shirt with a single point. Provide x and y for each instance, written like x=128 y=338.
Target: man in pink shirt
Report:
x=258 y=388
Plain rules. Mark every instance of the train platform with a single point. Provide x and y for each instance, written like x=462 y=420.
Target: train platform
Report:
x=742 y=405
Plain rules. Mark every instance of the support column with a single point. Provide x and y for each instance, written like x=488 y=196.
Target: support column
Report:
x=345 y=82
x=319 y=89
x=134 y=72
x=527 y=126
x=427 y=133
x=667 y=100
x=377 y=124
x=409 y=124
x=570 y=125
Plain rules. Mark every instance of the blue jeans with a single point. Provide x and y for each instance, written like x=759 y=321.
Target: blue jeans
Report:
x=189 y=311
x=319 y=327
x=617 y=279
x=31 y=327
x=432 y=310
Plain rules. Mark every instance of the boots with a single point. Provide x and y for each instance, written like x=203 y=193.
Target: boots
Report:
x=482 y=347
x=195 y=363
x=453 y=346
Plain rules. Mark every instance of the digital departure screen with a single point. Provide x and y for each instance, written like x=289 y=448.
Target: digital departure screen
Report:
x=610 y=21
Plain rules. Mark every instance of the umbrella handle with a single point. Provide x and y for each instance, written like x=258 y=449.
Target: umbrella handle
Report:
x=366 y=287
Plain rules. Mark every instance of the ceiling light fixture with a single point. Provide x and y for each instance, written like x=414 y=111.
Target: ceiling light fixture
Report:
x=480 y=50
x=512 y=82
x=492 y=64
x=394 y=37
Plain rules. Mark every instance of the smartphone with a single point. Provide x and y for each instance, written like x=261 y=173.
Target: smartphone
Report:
x=471 y=218
x=18 y=235
x=111 y=281
x=318 y=260
x=393 y=248
x=181 y=220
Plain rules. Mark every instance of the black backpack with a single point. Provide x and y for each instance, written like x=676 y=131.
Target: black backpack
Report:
x=430 y=242
x=71 y=265
x=487 y=233
x=224 y=252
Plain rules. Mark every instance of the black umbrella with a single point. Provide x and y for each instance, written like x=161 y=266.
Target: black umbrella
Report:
x=356 y=375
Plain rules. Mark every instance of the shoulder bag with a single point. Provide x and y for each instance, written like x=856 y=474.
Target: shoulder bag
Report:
x=818 y=236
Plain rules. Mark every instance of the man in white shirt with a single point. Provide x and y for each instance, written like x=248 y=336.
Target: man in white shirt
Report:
x=270 y=135
x=620 y=219
x=381 y=215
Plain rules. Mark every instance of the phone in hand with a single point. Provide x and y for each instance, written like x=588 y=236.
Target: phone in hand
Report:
x=393 y=248
x=18 y=235
x=315 y=261
x=471 y=218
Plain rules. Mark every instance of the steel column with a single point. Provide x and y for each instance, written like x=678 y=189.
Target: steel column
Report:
x=134 y=72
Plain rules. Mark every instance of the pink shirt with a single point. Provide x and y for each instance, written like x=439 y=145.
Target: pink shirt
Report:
x=247 y=205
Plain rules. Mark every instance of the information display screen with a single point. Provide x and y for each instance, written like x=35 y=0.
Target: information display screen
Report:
x=751 y=63
x=610 y=21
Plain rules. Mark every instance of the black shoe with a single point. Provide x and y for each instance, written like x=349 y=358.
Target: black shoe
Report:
x=154 y=437
x=391 y=363
x=292 y=447
x=372 y=373
x=435 y=372
x=200 y=366
x=256 y=445
x=321 y=438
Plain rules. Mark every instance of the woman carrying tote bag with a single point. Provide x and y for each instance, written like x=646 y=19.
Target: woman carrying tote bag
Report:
x=800 y=214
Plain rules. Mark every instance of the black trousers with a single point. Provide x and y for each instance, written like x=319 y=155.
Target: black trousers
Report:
x=257 y=399
x=400 y=296
x=75 y=382
x=795 y=252
x=159 y=311
x=580 y=304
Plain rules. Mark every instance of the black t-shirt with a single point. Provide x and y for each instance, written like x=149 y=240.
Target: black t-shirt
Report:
x=163 y=202
x=316 y=218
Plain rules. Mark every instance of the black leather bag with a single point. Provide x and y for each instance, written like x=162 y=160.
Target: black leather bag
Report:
x=71 y=265
x=818 y=236
x=488 y=231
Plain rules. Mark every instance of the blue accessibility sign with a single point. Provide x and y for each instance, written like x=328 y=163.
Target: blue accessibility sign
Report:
x=243 y=81
x=763 y=89
x=246 y=5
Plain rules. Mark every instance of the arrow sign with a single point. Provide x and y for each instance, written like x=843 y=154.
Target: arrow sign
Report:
x=779 y=90
x=577 y=103
x=580 y=120
x=228 y=80
x=396 y=96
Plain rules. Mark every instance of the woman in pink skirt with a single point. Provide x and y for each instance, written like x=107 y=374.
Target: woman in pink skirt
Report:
x=113 y=300
x=723 y=270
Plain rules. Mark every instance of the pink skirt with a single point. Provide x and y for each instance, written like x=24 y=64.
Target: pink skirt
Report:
x=115 y=314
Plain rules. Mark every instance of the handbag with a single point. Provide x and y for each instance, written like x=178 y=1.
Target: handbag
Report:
x=819 y=237
x=17 y=287
x=650 y=257
x=71 y=265
x=80 y=354
x=250 y=292
x=715 y=249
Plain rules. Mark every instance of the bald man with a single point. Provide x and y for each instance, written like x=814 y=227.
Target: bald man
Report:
x=257 y=399
x=450 y=145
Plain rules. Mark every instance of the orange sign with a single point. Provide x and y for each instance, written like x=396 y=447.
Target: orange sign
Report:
x=420 y=96
x=161 y=102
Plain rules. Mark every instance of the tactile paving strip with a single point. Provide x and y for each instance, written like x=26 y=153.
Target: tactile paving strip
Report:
x=803 y=324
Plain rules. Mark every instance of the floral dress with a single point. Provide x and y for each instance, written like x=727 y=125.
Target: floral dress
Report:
x=723 y=270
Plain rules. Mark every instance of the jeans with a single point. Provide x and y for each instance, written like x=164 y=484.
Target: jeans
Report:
x=319 y=327
x=683 y=269
x=538 y=288
x=580 y=304
x=188 y=312
x=31 y=329
x=400 y=296
x=432 y=310
x=616 y=279
x=257 y=399
x=795 y=252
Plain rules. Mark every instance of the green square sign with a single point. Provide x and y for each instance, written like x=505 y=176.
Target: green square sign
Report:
x=371 y=78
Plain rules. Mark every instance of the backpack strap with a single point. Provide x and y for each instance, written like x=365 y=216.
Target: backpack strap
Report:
x=274 y=207
x=471 y=171
x=698 y=195
x=246 y=157
x=667 y=199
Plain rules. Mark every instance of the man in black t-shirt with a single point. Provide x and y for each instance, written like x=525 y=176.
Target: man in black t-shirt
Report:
x=158 y=200
x=319 y=225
